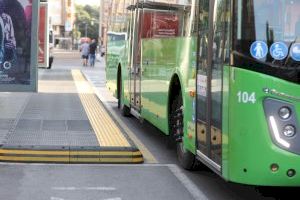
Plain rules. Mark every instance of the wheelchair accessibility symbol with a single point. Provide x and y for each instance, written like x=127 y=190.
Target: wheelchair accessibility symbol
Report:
x=295 y=51
x=279 y=51
x=259 y=49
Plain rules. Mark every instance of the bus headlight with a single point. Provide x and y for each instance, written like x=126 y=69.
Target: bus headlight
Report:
x=289 y=131
x=284 y=112
x=283 y=124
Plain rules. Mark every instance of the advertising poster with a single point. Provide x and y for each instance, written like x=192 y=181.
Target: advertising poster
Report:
x=160 y=24
x=18 y=19
x=43 y=38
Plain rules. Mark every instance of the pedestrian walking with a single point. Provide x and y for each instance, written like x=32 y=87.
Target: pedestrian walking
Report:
x=92 y=52
x=85 y=52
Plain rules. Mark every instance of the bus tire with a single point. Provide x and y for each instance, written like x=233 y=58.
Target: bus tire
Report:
x=125 y=111
x=185 y=157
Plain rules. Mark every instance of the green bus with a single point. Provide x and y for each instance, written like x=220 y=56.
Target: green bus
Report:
x=219 y=77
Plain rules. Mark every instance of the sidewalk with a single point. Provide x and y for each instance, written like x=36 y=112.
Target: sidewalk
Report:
x=64 y=122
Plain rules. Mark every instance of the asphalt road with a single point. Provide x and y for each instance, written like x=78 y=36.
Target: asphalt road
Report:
x=160 y=180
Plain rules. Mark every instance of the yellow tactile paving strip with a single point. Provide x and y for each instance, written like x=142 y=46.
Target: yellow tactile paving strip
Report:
x=113 y=147
x=107 y=132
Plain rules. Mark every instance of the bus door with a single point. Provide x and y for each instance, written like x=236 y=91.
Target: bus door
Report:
x=135 y=57
x=212 y=51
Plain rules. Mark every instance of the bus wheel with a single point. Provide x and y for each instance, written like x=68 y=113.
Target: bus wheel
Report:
x=185 y=157
x=125 y=110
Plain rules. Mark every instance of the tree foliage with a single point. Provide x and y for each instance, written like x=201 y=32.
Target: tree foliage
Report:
x=87 y=21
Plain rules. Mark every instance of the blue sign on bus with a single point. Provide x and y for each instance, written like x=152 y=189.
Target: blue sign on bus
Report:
x=259 y=49
x=295 y=51
x=279 y=51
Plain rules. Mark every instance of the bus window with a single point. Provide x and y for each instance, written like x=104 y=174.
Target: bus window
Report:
x=270 y=22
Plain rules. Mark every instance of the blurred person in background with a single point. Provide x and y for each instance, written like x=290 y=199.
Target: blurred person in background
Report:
x=92 y=52
x=85 y=52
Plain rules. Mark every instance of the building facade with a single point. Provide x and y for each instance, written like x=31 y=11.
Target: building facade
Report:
x=62 y=17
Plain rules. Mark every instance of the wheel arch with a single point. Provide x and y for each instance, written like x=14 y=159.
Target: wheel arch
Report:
x=174 y=88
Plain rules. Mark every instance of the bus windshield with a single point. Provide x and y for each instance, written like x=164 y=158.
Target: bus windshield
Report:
x=266 y=37
x=113 y=36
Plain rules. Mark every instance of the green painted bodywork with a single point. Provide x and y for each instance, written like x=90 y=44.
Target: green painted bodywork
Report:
x=117 y=59
x=247 y=147
x=161 y=59
x=115 y=53
x=248 y=150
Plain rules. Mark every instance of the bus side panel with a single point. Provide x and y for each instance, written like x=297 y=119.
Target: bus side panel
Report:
x=188 y=66
x=125 y=75
x=159 y=62
x=225 y=119
x=251 y=151
x=161 y=59
x=115 y=51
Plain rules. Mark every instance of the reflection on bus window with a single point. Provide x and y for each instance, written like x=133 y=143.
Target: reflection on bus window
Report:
x=267 y=22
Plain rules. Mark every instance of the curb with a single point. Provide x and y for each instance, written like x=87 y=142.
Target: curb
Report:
x=71 y=155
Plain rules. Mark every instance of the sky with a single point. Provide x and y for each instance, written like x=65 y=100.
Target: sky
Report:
x=90 y=2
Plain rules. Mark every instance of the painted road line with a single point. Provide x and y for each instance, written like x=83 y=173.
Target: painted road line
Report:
x=56 y=198
x=107 y=132
x=188 y=184
x=192 y=188
x=148 y=156
x=84 y=188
